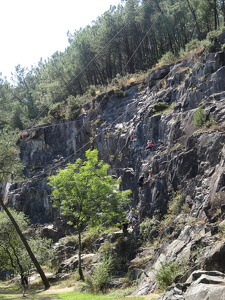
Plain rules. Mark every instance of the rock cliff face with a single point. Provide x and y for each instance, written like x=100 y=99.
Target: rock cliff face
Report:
x=187 y=168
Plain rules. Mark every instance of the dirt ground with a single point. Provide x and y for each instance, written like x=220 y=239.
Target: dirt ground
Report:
x=148 y=297
x=53 y=290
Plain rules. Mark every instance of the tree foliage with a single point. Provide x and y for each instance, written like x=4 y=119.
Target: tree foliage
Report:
x=13 y=254
x=10 y=165
x=129 y=38
x=88 y=195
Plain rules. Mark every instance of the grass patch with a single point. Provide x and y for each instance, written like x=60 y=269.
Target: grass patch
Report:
x=70 y=296
x=14 y=292
x=13 y=295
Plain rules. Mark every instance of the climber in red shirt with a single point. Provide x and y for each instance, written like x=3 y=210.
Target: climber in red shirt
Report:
x=149 y=145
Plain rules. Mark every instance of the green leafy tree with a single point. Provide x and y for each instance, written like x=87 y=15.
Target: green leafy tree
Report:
x=13 y=254
x=10 y=170
x=88 y=195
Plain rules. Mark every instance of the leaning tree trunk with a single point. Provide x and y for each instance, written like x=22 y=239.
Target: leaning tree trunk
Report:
x=33 y=258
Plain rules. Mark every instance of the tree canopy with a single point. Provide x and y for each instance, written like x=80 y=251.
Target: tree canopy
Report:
x=13 y=255
x=126 y=39
x=88 y=195
x=10 y=165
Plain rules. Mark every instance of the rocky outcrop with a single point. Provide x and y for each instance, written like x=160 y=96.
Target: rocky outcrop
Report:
x=186 y=156
x=201 y=285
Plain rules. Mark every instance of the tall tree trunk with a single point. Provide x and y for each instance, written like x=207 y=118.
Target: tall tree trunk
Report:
x=215 y=15
x=29 y=251
x=195 y=18
x=169 y=36
x=223 y=11
x=79 y=256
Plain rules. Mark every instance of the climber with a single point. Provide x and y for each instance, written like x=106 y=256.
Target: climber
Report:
x=149 y=174
x=132 y=217
x=141 y=181
x=149 y=145
x=24 y=283
x=124 y=226
x=132 y=133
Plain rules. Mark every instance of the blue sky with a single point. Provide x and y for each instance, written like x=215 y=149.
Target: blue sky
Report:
x=34 y=29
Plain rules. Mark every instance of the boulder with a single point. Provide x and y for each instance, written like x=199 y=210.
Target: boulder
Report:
x=201 y=285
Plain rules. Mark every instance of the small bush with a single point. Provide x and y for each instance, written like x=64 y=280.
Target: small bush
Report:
x=120 y=93
x=209 y=123
x=101 y=276
x=199 y=117
x=57 y=110
x=147 y=226
x=192 y=45
x=92 y=90
x=160 y=106
x=167 y=58
x=117 y=79
x=186 y=208
x=106 y=247
x=214 y=33
x=73 y=108
x=88 y=238
x=209 y=46
x=175 y=205
x=174 y=209
x=167 y=273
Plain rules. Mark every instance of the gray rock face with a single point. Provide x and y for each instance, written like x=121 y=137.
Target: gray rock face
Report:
x=201 y=285
x=189 y=163
x=186 y=160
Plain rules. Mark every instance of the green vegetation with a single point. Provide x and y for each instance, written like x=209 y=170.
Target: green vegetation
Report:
x=168 y=272
x=120 y=93
x=10 y=291
x=160 y=106
x=113 y=257
x=175 y=205
x=70 y=296
x=174 y=208
x=88 y=195
x=167 y=58
x=200 y=118
x=99 y=280
x=13 y=255
x=98 y=57
x=9 y=156
x=147 y=226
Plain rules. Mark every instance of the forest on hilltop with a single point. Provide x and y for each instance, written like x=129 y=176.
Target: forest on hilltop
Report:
x=127 y=39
